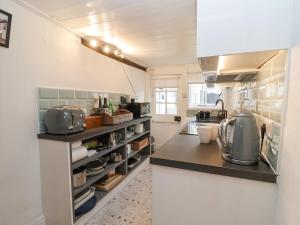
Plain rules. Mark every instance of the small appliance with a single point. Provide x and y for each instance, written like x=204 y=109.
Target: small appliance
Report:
x=64 y=119
x=139 y=109
x=240 y=137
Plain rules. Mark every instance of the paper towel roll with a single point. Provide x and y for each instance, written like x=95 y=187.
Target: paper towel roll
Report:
x=79 y=153
x=76 y=144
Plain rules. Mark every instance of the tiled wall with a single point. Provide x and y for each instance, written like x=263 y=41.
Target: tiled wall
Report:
x=265 y=98
x=50 y=97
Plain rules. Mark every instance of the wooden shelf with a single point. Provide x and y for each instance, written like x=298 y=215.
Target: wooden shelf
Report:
x=91 y=180
x=137 y=136
x=96 y=156
x=144 y=157
x=134 y=152
x=91 y=133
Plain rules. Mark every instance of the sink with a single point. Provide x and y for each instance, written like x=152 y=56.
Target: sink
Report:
x=191 y=127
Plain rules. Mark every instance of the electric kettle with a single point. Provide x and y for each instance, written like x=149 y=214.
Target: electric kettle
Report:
x=240 y=138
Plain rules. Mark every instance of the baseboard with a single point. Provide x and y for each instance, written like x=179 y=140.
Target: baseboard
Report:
x=40 y=220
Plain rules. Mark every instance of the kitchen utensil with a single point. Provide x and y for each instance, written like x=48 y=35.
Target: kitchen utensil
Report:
x=139 y=128
x=130 y=134
x=112 y=139
x=79 y=176
x=95 y=165
x=86 y=207
x=64 y=119
x=240 y=137
x=204 y=133
x=79 y=201
x=115 y=157
x=82 y=195
x=109 y=182
x=94 y=173
x=131 y=162
x=128 y=149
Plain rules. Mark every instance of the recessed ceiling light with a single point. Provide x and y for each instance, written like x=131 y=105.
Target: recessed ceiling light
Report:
x=122 y=56
x=106 y=49
x=94 y=43
x=116 y=52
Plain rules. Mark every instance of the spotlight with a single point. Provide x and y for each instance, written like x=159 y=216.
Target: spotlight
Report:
x=106 y=49
x=94 y=43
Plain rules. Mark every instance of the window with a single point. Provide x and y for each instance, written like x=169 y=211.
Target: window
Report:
x=203 y=95
x=166 y=101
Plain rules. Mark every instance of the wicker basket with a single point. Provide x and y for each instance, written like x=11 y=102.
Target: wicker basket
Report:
x=120 y=116
x=139 y=145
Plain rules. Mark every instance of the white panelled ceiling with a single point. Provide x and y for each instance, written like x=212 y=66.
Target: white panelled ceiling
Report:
x=155 y=32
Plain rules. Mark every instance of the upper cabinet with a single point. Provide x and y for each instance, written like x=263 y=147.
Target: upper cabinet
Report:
x=238 y=26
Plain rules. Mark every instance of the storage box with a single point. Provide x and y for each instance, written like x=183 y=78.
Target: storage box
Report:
x=138 y=145
x=120 y=116
x=93 y=122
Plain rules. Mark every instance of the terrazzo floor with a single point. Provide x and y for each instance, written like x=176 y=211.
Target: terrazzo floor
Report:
x=131 y=206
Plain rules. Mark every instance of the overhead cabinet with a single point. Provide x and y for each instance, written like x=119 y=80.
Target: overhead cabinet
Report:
x=235 y=26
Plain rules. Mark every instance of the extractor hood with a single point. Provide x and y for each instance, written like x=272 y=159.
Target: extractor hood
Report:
x=234 y=68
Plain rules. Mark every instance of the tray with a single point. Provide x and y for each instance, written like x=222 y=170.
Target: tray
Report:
x=139 y=145
x=120 y=116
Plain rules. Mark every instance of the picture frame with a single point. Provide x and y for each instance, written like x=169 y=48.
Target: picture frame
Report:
x=5 y=25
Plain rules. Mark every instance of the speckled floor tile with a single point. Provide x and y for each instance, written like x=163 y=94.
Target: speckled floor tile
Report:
x=131 y=206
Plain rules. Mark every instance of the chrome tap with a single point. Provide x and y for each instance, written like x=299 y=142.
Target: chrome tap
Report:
x=223 y=111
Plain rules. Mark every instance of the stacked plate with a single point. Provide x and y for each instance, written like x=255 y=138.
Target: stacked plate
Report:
x=96 y=167
x=83 y=197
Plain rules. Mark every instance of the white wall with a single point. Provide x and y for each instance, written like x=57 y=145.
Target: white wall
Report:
x=289 y=167
x=289 y=177
x=41 y=53
x=235 y=26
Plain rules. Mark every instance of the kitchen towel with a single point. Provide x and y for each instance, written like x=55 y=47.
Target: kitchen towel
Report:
x=76 y=144
x=79 y=153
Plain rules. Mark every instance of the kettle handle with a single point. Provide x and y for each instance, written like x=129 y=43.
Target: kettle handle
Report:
x=230 y=122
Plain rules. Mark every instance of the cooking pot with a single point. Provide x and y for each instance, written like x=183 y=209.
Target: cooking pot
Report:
x=79 y=176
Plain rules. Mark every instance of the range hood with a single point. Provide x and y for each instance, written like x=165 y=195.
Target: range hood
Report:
x=234 y=68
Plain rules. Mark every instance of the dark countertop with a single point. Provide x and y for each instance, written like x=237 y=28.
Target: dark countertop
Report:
x=185 y=152
x=90 y=133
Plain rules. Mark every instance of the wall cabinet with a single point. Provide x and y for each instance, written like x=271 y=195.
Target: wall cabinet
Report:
x=234 y=26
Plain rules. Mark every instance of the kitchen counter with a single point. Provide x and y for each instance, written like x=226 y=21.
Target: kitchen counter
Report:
x=192 y=184
x=185 y=152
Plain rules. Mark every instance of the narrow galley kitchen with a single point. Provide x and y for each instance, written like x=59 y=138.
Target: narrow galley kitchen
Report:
x=149 y=112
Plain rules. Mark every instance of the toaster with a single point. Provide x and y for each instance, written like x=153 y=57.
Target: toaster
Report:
x=65 y=119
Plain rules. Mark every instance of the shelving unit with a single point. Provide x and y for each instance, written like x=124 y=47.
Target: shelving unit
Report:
x=58 y=193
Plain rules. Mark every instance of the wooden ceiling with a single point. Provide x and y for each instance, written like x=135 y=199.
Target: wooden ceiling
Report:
x=155 y=32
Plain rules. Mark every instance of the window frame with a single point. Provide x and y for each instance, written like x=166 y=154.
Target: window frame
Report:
x=212 y=106
x=166 y=103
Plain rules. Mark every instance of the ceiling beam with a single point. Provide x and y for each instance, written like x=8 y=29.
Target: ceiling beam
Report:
x=113 y=56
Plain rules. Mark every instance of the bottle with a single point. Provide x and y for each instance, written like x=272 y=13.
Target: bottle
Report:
x=100 y=105
x=110 y=108
x=105 y=106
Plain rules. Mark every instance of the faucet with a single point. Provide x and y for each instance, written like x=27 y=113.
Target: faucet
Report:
x=223 y=111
